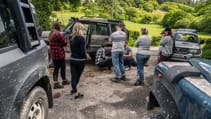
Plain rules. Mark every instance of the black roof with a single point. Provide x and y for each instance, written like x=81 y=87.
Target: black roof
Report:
x=96 y=19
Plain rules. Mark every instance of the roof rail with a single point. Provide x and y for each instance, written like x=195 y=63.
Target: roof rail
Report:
x=98 y=17
x=187 y=30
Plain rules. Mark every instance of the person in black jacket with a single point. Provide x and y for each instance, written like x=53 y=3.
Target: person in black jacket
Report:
x=78 y=57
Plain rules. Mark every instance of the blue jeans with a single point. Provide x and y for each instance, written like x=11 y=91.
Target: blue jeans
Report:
x=118 y=63
x=141 y=60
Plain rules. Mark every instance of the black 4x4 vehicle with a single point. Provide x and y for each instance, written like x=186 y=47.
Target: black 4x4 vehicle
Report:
x=98 y=31
x=25 y=91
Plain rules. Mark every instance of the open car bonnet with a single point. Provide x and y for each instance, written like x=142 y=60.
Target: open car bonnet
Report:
x=204 y=66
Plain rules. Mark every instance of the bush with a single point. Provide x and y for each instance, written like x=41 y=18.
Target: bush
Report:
x=148 y=7
x=133 y=35
x=207 y=49
x=183 y=23
x=172 y=17
x=168 y=6
x=156 y=41
x=146 y=19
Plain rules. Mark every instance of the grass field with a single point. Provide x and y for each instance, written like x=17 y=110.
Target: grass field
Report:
x=154 y=29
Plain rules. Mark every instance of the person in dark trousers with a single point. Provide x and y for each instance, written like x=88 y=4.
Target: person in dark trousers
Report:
x=166 y=46
x=78 y=57
x=143 y=44
x=57 y=43
x=128 y=57
x=101 y=59
x=118 y=39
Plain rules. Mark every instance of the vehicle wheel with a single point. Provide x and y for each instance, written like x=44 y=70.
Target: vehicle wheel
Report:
x=35 y=106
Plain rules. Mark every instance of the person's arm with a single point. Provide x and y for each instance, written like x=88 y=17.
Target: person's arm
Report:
x=62 y=40
x=83 y=47
x=130 y=54
x=137 y=42
x=163 y=41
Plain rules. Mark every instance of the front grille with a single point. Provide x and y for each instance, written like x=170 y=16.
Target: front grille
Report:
x=182 y=50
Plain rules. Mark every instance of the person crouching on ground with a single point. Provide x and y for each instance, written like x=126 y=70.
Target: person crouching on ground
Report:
x=101 y=60
x=78 y=57
x=128 y=57
x=57 y=43
x=143 y=44
x=118 y=40
x=166 y=46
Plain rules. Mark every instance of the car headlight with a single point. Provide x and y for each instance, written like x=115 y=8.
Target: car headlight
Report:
x=195 y=51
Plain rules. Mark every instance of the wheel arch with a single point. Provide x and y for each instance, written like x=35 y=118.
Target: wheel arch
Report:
x=160 y=96
x=38 y=77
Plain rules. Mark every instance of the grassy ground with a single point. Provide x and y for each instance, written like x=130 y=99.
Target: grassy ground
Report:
x=154 y=29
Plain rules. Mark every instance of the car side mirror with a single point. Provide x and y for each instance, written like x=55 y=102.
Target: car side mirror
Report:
x=201 y=41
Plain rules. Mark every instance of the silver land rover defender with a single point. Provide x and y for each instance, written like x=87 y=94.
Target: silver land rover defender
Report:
x=186 y=45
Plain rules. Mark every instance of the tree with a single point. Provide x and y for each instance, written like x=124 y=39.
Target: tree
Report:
x=75 y=4
x=172 y=17
x=43 y=12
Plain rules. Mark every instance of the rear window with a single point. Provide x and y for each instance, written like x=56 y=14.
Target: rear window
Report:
x=186 y=38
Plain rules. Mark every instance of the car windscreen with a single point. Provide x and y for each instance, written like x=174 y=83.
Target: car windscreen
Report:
x=66 y=28
x=186 y=37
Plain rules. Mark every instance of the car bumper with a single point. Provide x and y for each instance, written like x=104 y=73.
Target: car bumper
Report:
x=184 y=57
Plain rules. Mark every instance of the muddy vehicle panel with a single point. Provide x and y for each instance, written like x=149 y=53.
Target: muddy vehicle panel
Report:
x=186 y=45
x=24 y=81
x=182 y=90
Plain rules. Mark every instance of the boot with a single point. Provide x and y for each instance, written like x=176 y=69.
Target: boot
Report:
x=57 y=86
x=56 y=83
x=65 y=82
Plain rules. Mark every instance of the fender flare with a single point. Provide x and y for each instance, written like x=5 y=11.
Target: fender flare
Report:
x=40 y=74
x=159 y=94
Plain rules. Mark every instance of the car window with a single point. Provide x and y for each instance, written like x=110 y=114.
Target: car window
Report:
x=113 y=28
x=86 y=26
x=100 y=29
x=7 y=28
x=186 y=38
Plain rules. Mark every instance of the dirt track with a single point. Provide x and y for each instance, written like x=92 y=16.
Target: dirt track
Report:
x=103 y=98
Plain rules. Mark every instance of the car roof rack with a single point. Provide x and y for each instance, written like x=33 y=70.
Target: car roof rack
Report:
x=187 y=30
x=100 y=18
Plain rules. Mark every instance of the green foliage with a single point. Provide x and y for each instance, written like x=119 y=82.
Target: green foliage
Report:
x=156 y=40
x=74 y=5
x=43 y=11
x=183 y=23
x=146 y=18
x=207 y=50
x=135 y=34
x=148 y=7
x=171 y=18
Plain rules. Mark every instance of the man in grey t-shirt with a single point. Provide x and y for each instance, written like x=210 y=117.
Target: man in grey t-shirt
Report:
x=118 y=40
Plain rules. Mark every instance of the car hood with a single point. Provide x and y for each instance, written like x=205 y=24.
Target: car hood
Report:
x=187 y=45
x=203 y=65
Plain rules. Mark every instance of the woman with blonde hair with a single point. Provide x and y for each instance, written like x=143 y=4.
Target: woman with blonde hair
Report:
x=57 y=53
x=78 y=57
x=143 y=44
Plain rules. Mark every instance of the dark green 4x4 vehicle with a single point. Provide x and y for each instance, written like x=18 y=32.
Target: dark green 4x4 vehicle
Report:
x=25 y=90
x=98 y=31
